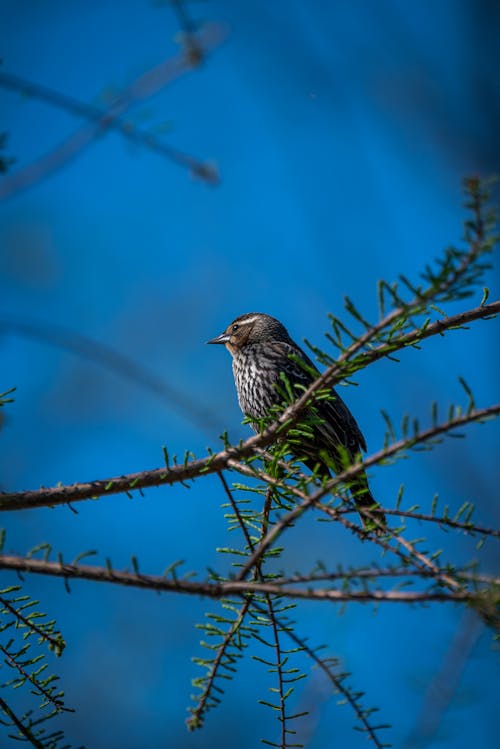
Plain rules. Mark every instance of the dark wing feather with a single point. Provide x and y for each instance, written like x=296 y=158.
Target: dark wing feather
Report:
x=339 y=426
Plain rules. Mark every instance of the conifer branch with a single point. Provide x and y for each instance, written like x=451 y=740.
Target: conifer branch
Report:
x=48 y=497
x=206 y=700
x=226 y=588
x=54 y=640
x=39 y=687
x=351 y=473
x=328 y=667
x=442 y=520
x=24 y=731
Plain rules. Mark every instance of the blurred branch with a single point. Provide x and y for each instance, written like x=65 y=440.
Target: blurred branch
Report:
x=5 y=161
x=101 y=120
x=230 y=456
x=442 y=687
x=114 y=361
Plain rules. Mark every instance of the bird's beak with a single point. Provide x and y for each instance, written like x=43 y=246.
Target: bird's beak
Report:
x=222 y=338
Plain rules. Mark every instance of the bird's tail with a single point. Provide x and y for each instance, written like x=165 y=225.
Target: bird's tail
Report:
x=369 y=509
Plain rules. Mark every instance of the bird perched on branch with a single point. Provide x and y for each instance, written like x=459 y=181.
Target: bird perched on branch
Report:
x=264 y=359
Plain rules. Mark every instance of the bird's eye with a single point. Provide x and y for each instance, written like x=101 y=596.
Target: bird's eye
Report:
x=234 y=328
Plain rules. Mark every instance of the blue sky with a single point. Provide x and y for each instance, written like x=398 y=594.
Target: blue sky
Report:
x=341 y=132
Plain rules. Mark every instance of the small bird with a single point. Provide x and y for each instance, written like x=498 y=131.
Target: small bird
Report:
x=262 y=351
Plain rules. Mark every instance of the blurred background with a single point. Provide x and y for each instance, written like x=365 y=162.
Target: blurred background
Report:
x=341 y=132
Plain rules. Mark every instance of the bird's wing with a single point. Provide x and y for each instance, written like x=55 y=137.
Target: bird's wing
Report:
x=338 y=424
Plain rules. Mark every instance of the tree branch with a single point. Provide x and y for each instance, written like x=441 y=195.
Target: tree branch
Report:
x=219 y=461
x=221 y=589
x=350 y=473
x=24 y=731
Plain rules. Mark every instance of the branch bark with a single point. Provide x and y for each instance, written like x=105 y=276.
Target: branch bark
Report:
x=215 y=463
x=228 y=588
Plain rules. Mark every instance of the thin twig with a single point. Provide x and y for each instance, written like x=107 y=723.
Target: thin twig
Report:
x=236 y=510
x=465 y=525
x=374 y=573
x=55 y=640
x=337 y=681
x=54 y=699
x=353 y=471
x=23 y=730
x=197 y=713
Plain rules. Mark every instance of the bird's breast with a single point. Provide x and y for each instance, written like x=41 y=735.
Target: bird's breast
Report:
x=255 y=376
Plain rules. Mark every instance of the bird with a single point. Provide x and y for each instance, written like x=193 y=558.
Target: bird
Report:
x=262 y=353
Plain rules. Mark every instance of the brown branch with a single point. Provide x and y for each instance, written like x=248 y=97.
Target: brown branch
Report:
x=221 y=589
x=219 y=461
x=486 y=605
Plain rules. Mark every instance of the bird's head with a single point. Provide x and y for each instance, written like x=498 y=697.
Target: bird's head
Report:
x=251 y=328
